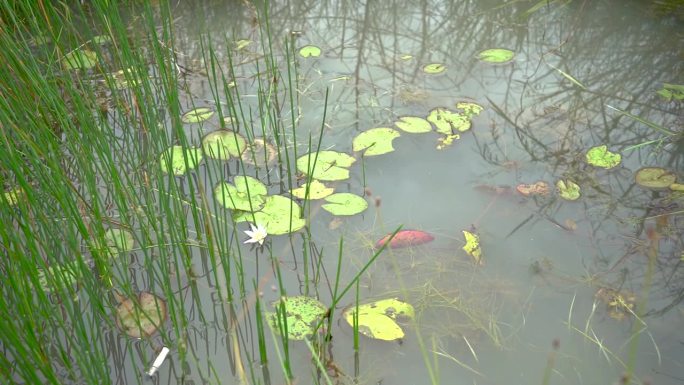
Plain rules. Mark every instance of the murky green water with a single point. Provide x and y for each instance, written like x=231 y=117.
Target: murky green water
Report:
x=544 y=258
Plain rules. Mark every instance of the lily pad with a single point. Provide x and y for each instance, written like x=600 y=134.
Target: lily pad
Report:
x=197 y=115
x=434 y=68
x=472 y=246
x=246 y=194
x=405 y=238
x=260 y=153
x=80 y=59
x=302 y=315
x=413 y=124
x=242 y=43
x=448 y=122
x=316 y=190
x=142 y=316
x=677 y=187
x=470 y=109
x=568 y=190
x=223 y=144
x=329 y=165
x=345 y=204
x=119 y=240
x=14 y=195
x=309 y=51
x=654 y=177
x=536 y=188
x=376 y=141
x=280 y=215
x=496 y=55
x=377 y=319
x=173 y=159
x=599 y=156
x=64 y=275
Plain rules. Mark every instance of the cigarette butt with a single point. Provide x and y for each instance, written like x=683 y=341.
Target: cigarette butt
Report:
x=158 y=361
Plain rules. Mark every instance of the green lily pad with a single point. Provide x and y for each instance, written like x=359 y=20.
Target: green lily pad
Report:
x=677 y=187
x=302 y=315
x=377 y=319
x=142 y=316
x=329 y=165
x=376 y=141
x=80 y=59
x=599 y=156
x=119 y=240
x=14 y=195
x=280 y=215
x=406 y=57
x=246 y=194
x=197 y=115
x=413 y=124
x=310 y=51
x=496 y=55
x=470 y=109
x=63 y=275
x=345 y=204
x=434 y=68
x=316 y=190
x=223 y=144
x=568 y=190
x=448 y=122
x=671 y=91
x=654 y=177
x=241 y=44
x=176 y=156
x=101 y=39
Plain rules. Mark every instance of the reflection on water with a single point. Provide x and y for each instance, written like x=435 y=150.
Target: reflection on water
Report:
x=570 y=272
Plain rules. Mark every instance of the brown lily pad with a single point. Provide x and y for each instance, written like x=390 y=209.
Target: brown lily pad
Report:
x=141 y=316
x=654 y=177
x=537 y=188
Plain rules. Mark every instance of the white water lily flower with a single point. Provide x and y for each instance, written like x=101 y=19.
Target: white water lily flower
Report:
x=257 y=234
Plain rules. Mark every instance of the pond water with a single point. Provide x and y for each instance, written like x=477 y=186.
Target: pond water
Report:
x=580 y=291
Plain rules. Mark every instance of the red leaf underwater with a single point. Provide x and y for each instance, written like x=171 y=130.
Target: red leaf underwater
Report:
x=405 y=238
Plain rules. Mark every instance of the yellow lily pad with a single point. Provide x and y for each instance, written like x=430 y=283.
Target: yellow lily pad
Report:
x=377 y=319
x=316 y=190
x=472 y=246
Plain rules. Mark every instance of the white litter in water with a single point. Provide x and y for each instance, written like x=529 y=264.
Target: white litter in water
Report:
x=158 y=361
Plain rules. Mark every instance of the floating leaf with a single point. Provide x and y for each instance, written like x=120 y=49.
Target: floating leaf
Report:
x=301 y=314
x=377 y=319
x=654 y=177
x=316 y=190
x=329 y=165
x=448 y=122
x=671 y=91
x=14 y=195
x=223 y=144
x=246 y=194
x=405 y=238
x=101 y=39
x=406 y=57
x=472 y=246
x=599 y=156
x=434 y=68
x=345 y=204
x=470 y=109
x=496 y=55
x=568 y=190
x=447 y=141
x=119 y=240
x=175 y=158
x=677 y=187
x=243 y=43
x=141 y=316
x=310 y=51
x=376 y=141
x=413 y=124
x=63 y=275
x=280 y=215
x=197 y=115
x=80 y=59
x=537 y=188
x=260 y=153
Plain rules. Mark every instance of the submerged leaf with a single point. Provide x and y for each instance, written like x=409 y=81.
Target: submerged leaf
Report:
x=472 y=246
x=260 y=153
x=119 y=240
x=496 y=55
x=376 y=141
x=223 y=144
x=434 y=68
x=537 y=188
x=405 y=238
x=599 y=156
x=413 y=124
x=141 y=316
x=61 y=275
x=316 y=190
x=671 y=91
x=173 y=160
x=448 y=122
x=345 y=204
x=328 y=166
x=301 y=316
x=654 y=177
x=197 y=115
x=246 y=194
x=378 y=319
x=568 y=190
